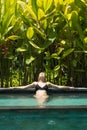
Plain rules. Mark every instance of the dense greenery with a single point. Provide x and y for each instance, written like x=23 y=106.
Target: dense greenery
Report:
x=43 y=35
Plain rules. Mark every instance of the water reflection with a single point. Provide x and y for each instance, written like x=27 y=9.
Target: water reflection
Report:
x=51 y=122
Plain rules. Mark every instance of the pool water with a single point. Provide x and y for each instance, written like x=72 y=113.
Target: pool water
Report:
x=53 y=100
x=43 y=120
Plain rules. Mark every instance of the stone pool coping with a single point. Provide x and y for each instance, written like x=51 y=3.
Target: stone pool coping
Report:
x=50 y=90
x=73 y=107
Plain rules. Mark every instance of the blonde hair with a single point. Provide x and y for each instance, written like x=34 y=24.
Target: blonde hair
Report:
x=42 y=77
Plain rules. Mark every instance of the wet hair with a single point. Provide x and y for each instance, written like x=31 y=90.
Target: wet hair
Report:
x=42 y=77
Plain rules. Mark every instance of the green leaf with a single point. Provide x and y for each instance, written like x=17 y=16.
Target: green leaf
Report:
x=59 y=51
x=58 y=3
x=47 y=4
x=55 y=56
x=30 y=32
x=39 y=3
x=30 y=60
x=85 y=40
x=81 y=4
x=75 y=24
x=74 y=18
x=56 y=68
x=43 y=24
x=85 y=52
x=6 y=23
x=34 y=6
x=41 y=14
x=35 y=46
x=40 y=32
x=49 y=15
x=7 y=30
x=21 y=49
x=10 y=57
x=81 y=51
x=13 y=37
x=47 y=43
x=67 y=52
x=8 y=11
x=28 y=8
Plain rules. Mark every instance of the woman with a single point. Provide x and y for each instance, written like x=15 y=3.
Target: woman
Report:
x=41 y=87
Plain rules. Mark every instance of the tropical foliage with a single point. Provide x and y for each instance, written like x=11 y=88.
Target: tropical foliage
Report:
x=43 y=35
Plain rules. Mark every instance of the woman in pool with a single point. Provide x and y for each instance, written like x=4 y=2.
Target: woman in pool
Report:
x=41 y=87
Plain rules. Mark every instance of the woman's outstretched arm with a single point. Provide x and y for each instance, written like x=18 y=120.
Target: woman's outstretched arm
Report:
x=26 y=86
x=57 y=86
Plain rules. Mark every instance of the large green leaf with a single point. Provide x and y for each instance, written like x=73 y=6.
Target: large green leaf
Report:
x=41 y=14
x=28 y=8
x=47 y=4
x=76 y=25
x=33 y=4
x=39 y=3
x=7 y=14
x=6 y=22
x=30 y=32
x=67 y=52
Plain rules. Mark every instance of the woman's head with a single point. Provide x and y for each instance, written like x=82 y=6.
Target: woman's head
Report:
x=42 y=77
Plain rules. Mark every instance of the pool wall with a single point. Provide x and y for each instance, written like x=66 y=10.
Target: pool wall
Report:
x=51 y=90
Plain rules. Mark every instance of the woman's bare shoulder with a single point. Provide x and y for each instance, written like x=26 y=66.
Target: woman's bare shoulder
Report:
x=34 y=83
x=49 y=83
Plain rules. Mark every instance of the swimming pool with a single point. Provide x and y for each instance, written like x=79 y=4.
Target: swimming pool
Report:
x=43 y=120
x=54 y=100
x=62 y=111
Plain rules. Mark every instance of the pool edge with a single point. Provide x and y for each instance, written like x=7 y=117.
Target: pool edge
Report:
x=84 y=107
